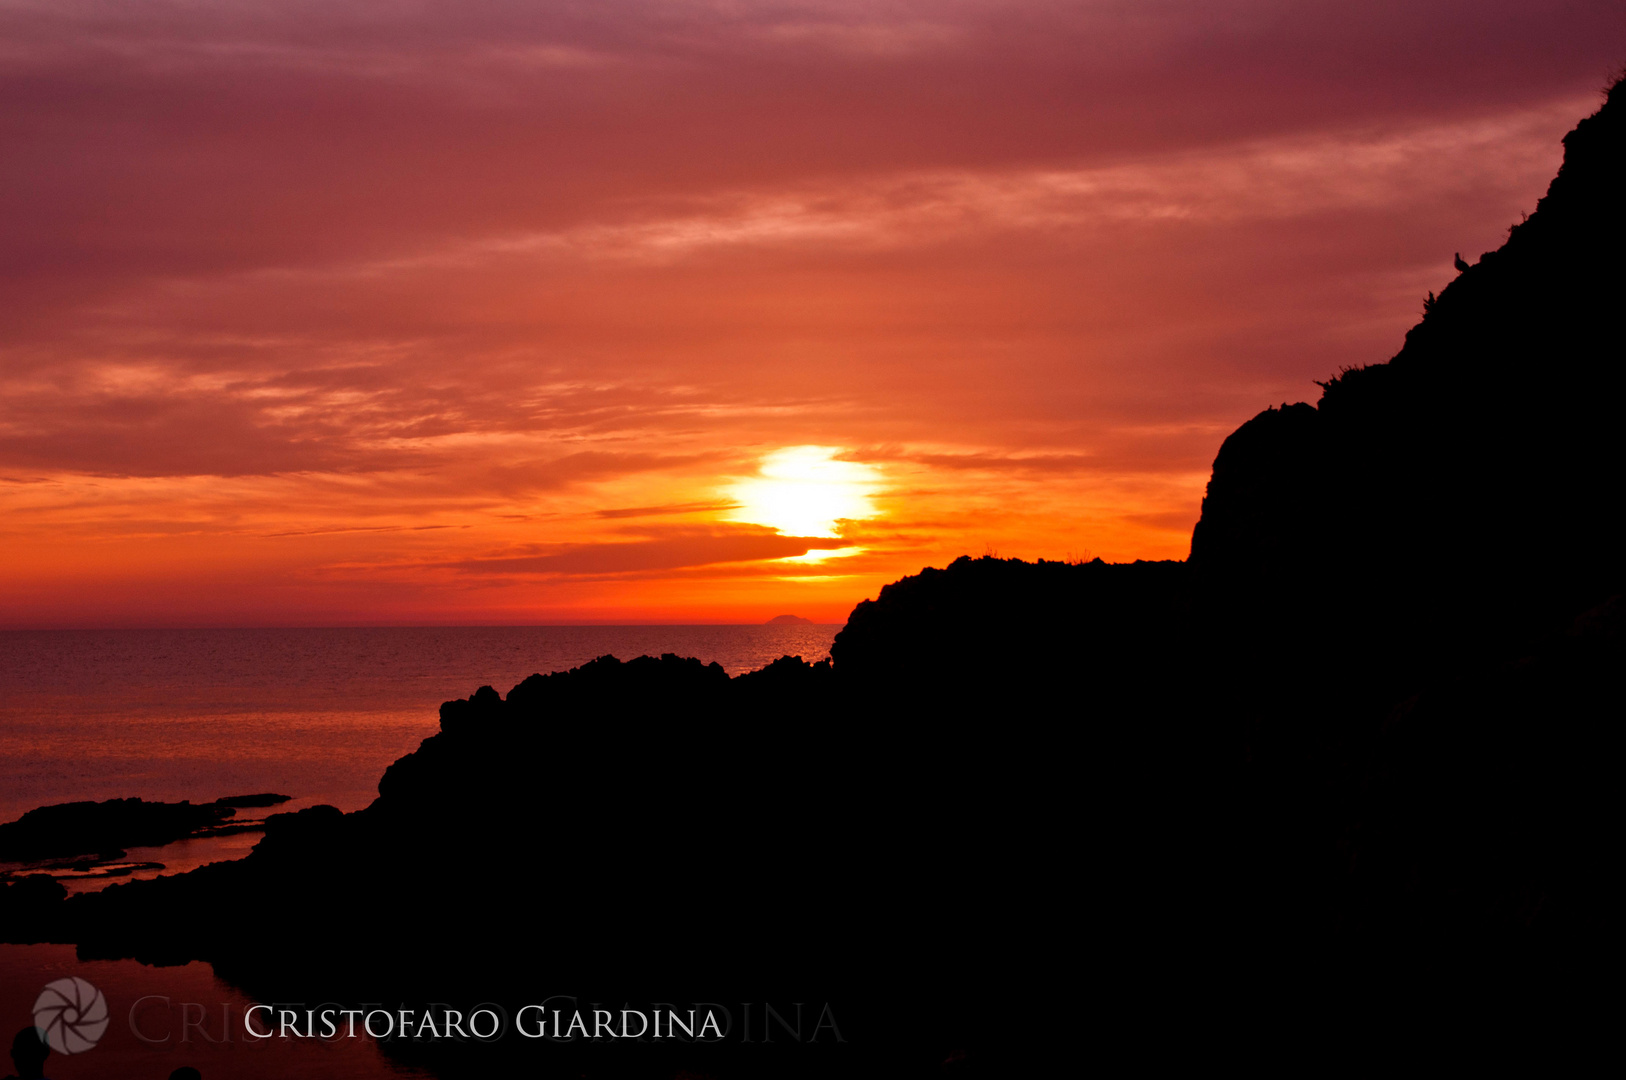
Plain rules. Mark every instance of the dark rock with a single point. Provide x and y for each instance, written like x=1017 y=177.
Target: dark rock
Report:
x=245 y=802
x=31 y=909
x=88 y=828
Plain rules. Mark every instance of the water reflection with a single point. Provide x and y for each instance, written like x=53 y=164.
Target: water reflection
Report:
x=167 y=1018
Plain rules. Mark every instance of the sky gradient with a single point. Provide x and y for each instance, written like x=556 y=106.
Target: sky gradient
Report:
x=701 y=312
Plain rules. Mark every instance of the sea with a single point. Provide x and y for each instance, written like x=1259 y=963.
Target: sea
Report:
x=314 y=714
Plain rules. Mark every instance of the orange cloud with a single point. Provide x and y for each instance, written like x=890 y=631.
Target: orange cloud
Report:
x=312 y=315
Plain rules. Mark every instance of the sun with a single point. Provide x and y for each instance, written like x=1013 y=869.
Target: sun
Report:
x=805 y=491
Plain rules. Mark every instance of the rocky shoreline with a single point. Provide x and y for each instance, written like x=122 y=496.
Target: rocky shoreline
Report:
x=1347 y=770
x=89 y=840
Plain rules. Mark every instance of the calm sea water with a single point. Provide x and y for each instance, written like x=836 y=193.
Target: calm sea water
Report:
x=316 y=714
x=201 y=714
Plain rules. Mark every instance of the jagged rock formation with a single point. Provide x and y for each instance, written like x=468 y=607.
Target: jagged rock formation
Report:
x=1405 y=593
x=1047 y=615
x=104 y=828
x=1468 y=491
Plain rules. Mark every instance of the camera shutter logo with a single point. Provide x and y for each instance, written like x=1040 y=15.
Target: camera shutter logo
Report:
x=71 y=1014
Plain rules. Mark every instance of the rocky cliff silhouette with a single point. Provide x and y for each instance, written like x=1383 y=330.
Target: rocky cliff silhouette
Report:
x=1409 y=595
x=1466 y=494
x=1347 y=770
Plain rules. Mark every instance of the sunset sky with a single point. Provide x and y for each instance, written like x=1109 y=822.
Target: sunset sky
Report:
x=624 y=311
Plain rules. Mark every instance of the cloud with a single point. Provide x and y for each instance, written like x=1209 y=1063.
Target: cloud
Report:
x=568 y=356
x=665 y=550
x=317 y=297
x=670 y=509
x=195 y=140
x=1037 y=463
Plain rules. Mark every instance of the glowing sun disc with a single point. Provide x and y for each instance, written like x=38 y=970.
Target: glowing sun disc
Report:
x=805 y=491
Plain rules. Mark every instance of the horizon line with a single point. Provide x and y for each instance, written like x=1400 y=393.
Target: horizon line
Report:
x=395 y=626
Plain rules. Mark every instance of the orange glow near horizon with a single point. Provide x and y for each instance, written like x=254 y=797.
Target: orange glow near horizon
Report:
x=647 y=312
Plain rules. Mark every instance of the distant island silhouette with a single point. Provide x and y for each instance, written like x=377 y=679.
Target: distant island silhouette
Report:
x=1347 y=770
x=788 y=620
